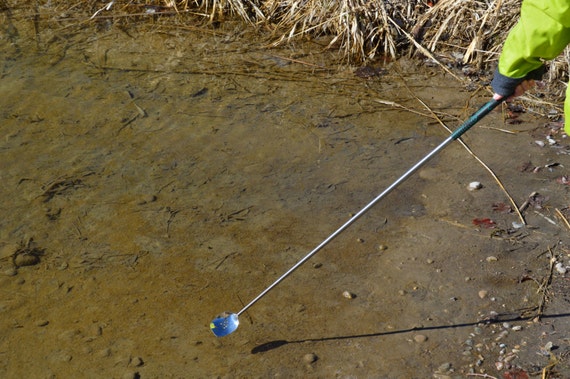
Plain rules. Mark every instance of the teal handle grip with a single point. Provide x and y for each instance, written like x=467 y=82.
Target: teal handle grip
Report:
x=476 y=117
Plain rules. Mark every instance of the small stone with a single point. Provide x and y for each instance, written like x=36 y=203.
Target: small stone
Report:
x=382 y=247
x=8 y=250
x=444 y=367
x=317 y=265
x=517 y=328
x=474 y=186
x=131 y=375
x=560 y=268
x=348 y=295
x=69 y=334
x=41 y=323
x=10 y=271
x=420 y=338
x=310 y=358
x=104 y=353
x=491 y=258
x=147 y=199
x=21 y=260
x=483 y=294
x=359 y=240
x=63 y=266
x=137 y=362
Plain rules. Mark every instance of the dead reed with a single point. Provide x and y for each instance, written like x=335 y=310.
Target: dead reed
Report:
x=458 y=31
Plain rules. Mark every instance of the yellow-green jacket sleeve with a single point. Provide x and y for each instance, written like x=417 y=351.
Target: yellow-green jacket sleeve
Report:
x=541 y=34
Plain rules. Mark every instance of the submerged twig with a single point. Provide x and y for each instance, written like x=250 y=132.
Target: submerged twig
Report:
x=564 y=219
x=543 y=287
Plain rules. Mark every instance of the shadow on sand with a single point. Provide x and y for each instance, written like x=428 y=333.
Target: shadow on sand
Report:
x=504 y=317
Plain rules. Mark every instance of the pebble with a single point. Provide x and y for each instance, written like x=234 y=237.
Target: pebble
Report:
x=104 y=353
x=8 y=250
x=63 y=266
x=41 y=323
x=491 y=258
x=348 y=295
x=131 y=375
x=473 y=186
x=310 y=358
x=147 y=199
x=516 y=328
x=382 y=247
x=444 y=367
x=10 y=271
x=420 y=338
x=483 y=294
x=26 y=260
x=560 y=268
x=137 y=362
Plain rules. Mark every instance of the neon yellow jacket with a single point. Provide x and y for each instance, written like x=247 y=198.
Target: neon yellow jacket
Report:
x=542 y=33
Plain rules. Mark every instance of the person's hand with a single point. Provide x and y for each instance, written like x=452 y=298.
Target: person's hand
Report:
x=523 y=86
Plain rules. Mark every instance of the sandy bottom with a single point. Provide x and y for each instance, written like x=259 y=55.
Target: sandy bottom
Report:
x=153 y=180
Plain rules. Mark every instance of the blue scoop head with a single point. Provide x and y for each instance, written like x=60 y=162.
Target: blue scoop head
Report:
x=224 y=324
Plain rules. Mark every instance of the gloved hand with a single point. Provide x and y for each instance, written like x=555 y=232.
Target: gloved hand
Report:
x=505 y=86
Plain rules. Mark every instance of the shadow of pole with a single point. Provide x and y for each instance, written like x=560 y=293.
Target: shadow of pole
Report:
x=506 y=317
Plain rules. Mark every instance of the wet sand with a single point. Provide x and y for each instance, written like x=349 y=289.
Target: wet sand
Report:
x=152 y=180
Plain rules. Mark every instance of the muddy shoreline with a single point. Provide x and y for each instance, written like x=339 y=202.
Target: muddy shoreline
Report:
x=167 y=177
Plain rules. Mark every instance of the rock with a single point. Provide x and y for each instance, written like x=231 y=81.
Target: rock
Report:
x=8 y=250
x=103 y=353
x=483 y=294
x=21 y=260
x=420 y=338
x=41 y=322
x=10 y=271
x=474 y=186
x=310 y=358
x=444 y=367
x=136 y=362
x=348 y=295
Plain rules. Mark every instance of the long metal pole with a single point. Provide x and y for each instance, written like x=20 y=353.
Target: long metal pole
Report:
x=475 y=117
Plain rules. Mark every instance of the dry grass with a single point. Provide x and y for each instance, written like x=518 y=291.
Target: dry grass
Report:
x=465 y=32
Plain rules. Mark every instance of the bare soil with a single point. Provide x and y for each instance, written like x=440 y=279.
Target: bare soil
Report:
x=152 y=179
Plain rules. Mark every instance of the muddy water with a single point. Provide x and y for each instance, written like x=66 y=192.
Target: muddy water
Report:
x=164 y=176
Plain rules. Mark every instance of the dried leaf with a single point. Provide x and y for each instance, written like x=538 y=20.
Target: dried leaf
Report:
x=484 y=222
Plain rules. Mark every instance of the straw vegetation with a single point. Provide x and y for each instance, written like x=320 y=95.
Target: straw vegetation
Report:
x=452 y=32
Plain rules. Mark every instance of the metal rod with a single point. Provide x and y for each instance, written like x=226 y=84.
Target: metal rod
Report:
x=472 y=120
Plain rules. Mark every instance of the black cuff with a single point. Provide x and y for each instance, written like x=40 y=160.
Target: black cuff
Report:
x=503 y=85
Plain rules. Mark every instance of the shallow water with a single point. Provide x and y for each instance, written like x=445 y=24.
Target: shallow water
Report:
x=172 y=174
